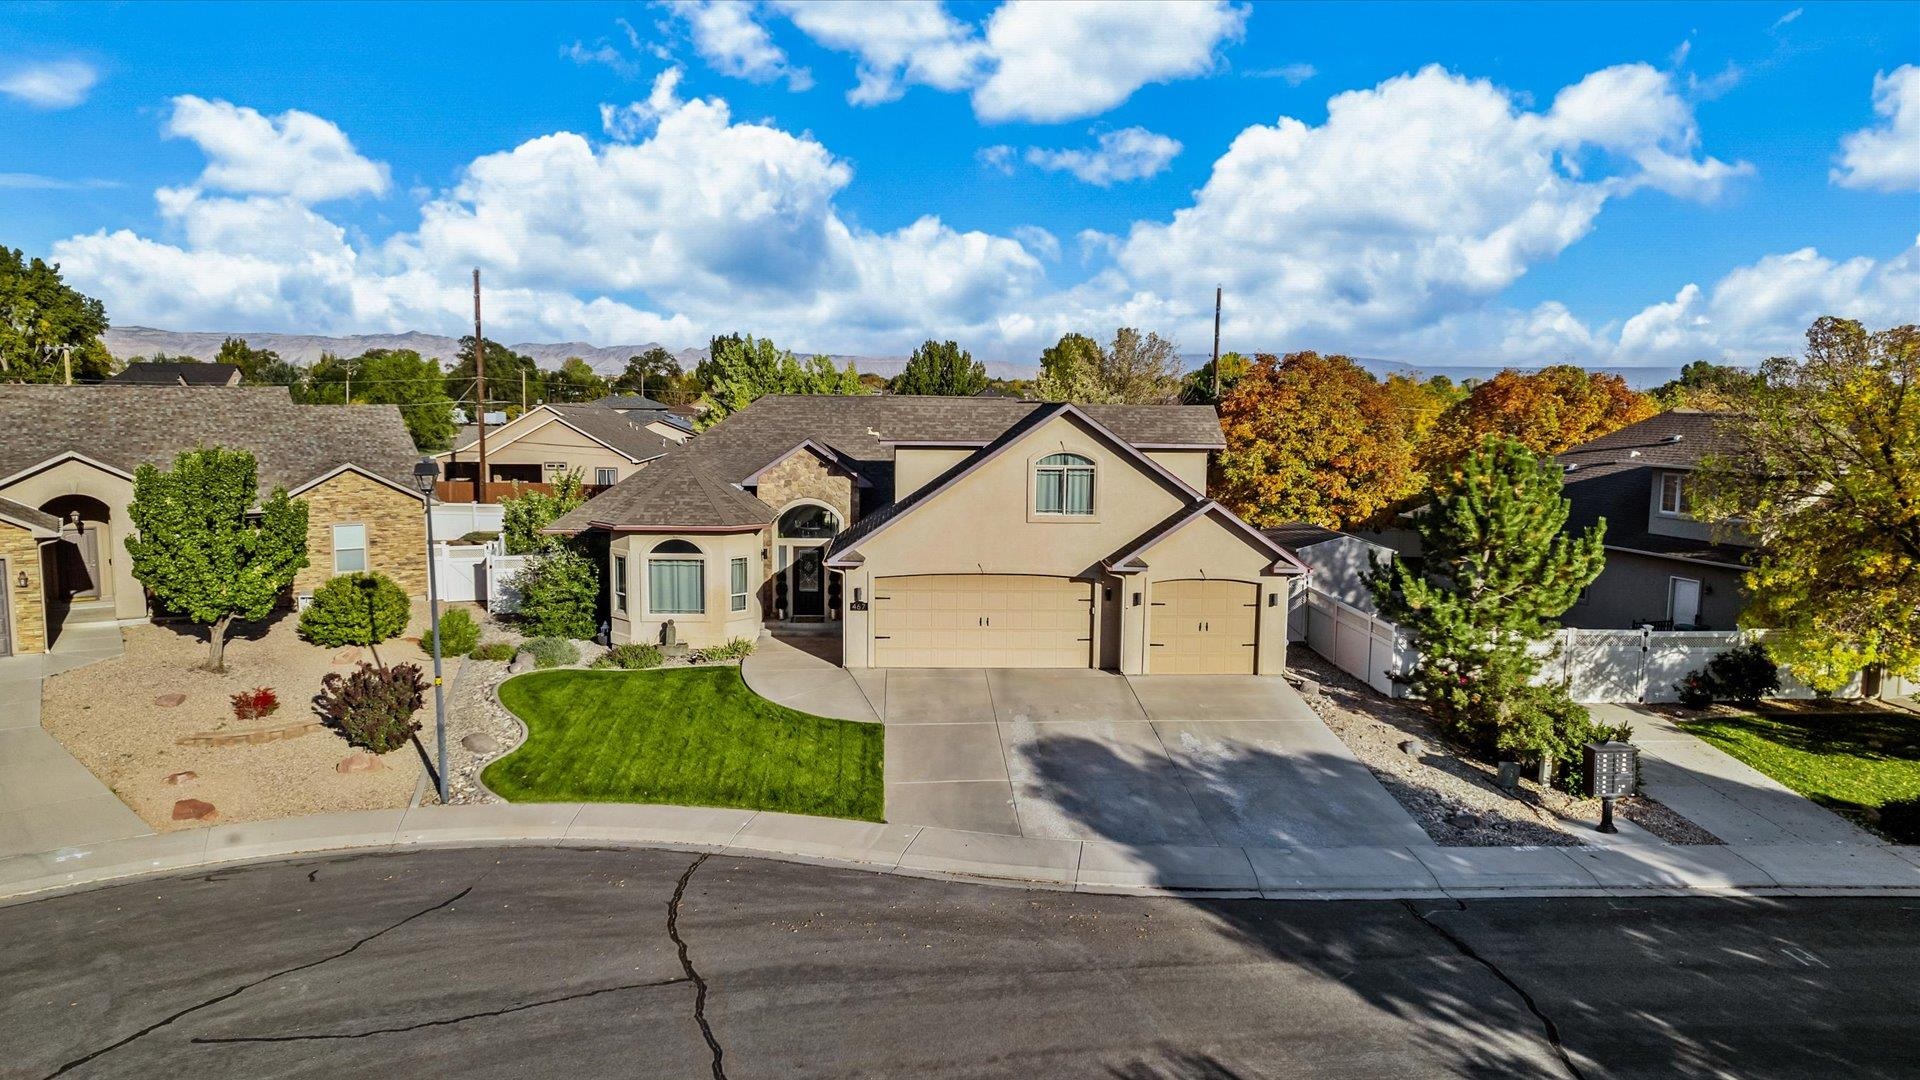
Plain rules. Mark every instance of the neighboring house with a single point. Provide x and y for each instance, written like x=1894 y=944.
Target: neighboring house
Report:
x=168 y=373
x=645 y=410
x=1665 y=568
x=949 y=532
x=1337 y=563
x=604 y=444
x=70 y=452
x=25 y=533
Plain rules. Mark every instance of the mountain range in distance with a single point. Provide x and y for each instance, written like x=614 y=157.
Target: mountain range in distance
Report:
x=127 y=342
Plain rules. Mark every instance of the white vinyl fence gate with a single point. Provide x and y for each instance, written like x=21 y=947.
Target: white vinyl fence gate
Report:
x=1597 y=665
x=478 y=573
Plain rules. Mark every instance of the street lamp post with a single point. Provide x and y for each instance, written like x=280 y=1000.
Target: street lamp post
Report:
x=424 y=476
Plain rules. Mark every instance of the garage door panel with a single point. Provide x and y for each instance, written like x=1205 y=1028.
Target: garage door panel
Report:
x=1203 y=627
x=982 y=620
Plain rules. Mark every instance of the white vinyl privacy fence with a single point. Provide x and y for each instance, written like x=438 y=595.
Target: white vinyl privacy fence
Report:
x=478 y=573
x=1597 y=665
x=452 y=521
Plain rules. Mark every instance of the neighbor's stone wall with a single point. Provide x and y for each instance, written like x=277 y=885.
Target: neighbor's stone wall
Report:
x=804 y=476
x=396 y=531
x=28 y=605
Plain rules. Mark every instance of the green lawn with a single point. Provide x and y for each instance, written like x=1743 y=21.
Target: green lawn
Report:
x=690 y=737
x=1849 y=760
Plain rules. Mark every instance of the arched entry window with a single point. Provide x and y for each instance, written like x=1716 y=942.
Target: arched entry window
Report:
x=808 y=522
x=1063 y=484
x=676 y=579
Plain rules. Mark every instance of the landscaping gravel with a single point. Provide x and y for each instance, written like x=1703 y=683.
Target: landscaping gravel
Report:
x=1454 y=799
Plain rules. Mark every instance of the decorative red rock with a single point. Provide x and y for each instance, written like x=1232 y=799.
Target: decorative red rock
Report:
x=354 y=763
x=194 y=810
x=182 y=777
x=168 y=701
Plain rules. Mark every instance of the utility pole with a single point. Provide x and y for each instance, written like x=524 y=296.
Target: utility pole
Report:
x=347 y=398
x=66 y=361
x=1216 y=344
x=523 y=390
x=479 y=390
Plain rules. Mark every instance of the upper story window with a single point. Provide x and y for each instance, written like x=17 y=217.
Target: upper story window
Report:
x=806 y=522
x=1063 y=484
x=1674 y=501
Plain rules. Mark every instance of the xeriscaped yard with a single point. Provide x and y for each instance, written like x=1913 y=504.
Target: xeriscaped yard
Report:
x=1850 y=760
x=689 y=737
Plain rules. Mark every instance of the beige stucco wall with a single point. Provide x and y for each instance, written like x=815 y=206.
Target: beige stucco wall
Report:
x=80 y=478
x=1188 y=465
x=541 y=437
x=718 y=624
x=803 y=476
x=914 y=467
x=396 y=531
x=26 y=605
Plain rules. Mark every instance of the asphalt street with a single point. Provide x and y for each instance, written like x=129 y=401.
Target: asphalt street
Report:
x=536 y=962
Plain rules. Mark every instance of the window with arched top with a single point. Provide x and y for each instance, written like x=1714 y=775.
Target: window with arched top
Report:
x=808 y=522
x=1063 y=484
x=676 y=579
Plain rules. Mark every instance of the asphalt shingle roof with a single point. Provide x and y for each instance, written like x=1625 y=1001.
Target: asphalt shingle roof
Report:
x=168 y=373
x=128 y=426
x=1612 y=477
x=676 y=491
x=1297 y=534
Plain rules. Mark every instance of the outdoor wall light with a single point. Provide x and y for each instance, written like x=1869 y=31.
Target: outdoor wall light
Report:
x=1273 y=599
x=21 y=581
x=1136 y=599
x=856 y=594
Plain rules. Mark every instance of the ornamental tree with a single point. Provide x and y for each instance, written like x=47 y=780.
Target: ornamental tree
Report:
x=1823 y=466
x=559 y=594
x=1312 y=438
x=1498 y=569
x=1548 y=411
x=940 y=368
x=203 y=550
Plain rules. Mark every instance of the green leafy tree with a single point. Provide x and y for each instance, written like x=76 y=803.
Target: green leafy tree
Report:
x=1133 y=369
x=649 y=374
x=1708 y=386
x=574 y=381
x=42 y=319
x=747 y=369
x=559 y=594
x=505 y=371
x=356 y=609
x=1823 y=466
x=940 y=368
x=398 y=377
x=202 y=552
x=1198 y=387
x=259 y=367
x=1498 y=568
x=523 y=516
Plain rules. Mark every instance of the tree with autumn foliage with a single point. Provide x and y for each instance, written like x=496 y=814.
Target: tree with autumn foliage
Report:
x=1548 y=411
x=1824 y=468
x=1316 y=439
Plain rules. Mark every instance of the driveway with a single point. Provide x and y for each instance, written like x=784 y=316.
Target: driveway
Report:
x=1090 y=755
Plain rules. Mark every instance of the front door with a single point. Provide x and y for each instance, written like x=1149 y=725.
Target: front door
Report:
x=809 y=580
x=1683 y=601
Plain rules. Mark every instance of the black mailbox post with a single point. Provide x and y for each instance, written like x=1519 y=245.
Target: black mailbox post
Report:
x=1611 y=769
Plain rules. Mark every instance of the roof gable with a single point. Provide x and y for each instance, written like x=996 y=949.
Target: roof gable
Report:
x=1127 y=560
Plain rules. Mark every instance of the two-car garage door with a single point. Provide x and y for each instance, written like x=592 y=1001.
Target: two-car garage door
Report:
x=982 y=620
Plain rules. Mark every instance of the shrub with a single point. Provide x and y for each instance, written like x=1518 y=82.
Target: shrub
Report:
x=737 y=649
x=355 y=609
x=1743 y=673
x=255 y=704
x=1900 y=819
x=552 y=652
x=458 y=632
x=523 y=516
x=633 y=656
x=374 y=706
x=478 y=536
x=1542 y=721
x=1696 y=690
x=493 y=650
x=559 y=594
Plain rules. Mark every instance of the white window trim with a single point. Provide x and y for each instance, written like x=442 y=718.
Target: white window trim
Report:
x=605 y=477
x=697 y=556
x=738 y=601
x=362 y=547
x=1092 y=468
x=620 y=583
x=1679 y=497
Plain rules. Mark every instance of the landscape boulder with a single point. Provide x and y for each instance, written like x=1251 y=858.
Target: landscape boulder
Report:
x=355 y=763
x=194 y=810
x=481 y=743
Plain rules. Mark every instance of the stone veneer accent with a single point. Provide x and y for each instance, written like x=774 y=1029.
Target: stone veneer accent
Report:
x=26 y=606
x=396 y=531
x=804 y=476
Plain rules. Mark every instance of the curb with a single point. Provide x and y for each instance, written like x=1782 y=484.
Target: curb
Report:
x=991 y=859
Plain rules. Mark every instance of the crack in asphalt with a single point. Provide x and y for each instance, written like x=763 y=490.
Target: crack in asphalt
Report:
x=443 y=1022
x=1460 y=945
x=244 y=987
x=693 y=973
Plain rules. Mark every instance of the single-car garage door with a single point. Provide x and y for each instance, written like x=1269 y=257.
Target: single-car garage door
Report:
x=982 y=620
x=1203 y=627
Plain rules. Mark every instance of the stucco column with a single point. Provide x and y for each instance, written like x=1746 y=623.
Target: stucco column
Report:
x=856 y=627
x=1274 y=595
x=1133 y=624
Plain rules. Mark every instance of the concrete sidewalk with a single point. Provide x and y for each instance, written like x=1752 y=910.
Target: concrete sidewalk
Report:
x=48 y=800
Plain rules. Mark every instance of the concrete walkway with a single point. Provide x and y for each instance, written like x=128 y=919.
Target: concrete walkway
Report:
x=1723 y=795
x=49 y=801
x=803 y=672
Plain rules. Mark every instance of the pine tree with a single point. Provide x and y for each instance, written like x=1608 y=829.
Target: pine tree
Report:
x=1498 y=569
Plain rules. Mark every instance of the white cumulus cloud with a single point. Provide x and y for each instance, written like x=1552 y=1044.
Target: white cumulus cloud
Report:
x=733 y=43
x=1132 y=153
x=57 y=84
x=295 y=154
x=1886 y=157
x=898 y=42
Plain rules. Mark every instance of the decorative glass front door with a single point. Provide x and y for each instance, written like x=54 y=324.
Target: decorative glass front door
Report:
x=808 y=579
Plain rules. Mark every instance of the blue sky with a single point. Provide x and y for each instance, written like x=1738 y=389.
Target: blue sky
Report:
x=1608 y=184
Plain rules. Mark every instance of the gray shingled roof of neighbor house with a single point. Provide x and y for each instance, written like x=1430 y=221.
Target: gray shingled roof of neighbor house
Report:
x=128 y=426
x=863 y=430
x=607 y=426
x=169 y=373
x=1612 y=477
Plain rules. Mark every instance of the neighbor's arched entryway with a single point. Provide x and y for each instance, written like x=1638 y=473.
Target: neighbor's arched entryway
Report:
x=80 y=564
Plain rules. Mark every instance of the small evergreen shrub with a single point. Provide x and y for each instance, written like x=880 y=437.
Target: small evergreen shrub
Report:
x=1900 y=819
x=1695 y=690
x=552 y=652
x=633 y=656
x=501 y=651
x=1744 y=673
x=255 y=704
x=559 y=594
x=374 y=706
x=737 y=649
x=355 y=609
x=458 y=633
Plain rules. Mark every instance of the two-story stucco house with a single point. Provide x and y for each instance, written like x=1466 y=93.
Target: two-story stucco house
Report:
x=604 y=441
x=1665 y=567
x=950 y=532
